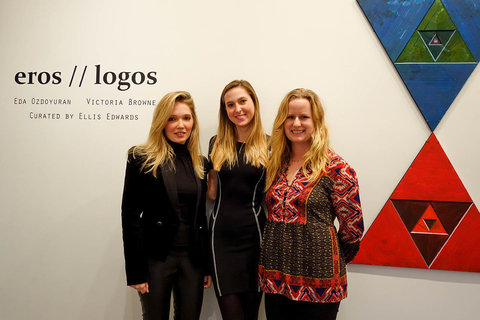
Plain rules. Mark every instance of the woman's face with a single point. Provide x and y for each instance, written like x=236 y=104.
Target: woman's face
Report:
x=180 y=123
x=239 y=106
x=299 y=123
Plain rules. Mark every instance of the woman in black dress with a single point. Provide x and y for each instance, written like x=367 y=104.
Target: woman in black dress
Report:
x=238 y=154
x=163 y=213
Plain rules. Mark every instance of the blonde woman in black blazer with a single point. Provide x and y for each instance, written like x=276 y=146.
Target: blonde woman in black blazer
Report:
x=163 y=213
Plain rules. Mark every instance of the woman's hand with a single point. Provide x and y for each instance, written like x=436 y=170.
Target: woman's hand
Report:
x=207 y=281
x=141 y=287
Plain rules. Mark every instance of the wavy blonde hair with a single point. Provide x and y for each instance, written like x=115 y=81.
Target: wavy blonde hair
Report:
x=316 y=156
x=157 y=151
x=224 y=149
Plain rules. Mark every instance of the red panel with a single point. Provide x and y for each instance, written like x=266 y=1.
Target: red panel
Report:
x=462 y=250
x=431 y=177
x=388 y=243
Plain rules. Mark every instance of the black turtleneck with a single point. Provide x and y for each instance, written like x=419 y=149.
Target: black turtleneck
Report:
x=187 y=193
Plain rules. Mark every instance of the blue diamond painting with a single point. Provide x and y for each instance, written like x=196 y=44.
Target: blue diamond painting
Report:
x=434 y=45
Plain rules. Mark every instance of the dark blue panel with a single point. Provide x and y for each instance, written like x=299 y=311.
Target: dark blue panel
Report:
x=394 y=21
x=466 y=16
x=434 y=86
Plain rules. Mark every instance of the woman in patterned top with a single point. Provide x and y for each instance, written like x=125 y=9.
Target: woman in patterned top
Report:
x=302 y=263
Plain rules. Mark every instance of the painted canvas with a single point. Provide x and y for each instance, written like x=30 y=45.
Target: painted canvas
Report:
x=429 y=221
x=433 y=44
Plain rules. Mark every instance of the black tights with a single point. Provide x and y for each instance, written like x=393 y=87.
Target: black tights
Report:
x=278 y=307
x=240 y=306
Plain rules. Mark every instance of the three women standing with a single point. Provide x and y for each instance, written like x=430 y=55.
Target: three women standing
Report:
x=302 y=264
x=303 y=256
x=238 y=154
x=163 y=213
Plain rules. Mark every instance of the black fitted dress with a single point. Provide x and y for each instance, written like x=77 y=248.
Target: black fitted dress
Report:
x=236 y=226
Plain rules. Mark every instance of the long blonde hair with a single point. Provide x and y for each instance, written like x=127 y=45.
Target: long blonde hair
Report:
x=224 y=150
x=316 y=156
x=157 y=151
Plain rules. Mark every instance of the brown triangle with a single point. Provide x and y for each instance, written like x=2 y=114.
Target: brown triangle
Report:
x=429 y=244
x=450 y=213
x=429 y=223
x=410 y=211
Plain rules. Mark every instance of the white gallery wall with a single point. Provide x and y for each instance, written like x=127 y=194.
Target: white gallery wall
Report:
x=61 y=254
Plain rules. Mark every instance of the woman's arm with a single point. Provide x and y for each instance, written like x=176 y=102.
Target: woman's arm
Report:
x=212 y=182
x=132 y=208
x=346 y=203
x=212 y=179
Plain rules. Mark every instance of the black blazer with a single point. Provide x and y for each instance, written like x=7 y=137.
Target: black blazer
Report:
x=150 y=212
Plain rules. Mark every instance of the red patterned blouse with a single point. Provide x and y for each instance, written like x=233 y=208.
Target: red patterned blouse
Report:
x=303 y=256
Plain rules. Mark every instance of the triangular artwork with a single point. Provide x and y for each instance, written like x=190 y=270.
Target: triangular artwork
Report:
x=434 y=45
x=429 y=221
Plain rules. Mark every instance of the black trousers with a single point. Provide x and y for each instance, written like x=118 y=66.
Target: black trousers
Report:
x=278 y=307
x=179 y=274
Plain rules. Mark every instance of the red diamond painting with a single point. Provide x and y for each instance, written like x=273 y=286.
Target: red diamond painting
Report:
x=429 y=221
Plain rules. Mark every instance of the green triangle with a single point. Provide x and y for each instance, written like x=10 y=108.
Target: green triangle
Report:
x=437 y=18
x=456 y=50
x=415 y=51
x=437 y=22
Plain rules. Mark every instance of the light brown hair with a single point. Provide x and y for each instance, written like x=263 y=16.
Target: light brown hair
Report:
x=224 y=150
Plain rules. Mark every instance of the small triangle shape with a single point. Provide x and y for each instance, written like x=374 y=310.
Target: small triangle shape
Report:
x=277 y=283
x=435 y=41
x=429 y=223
